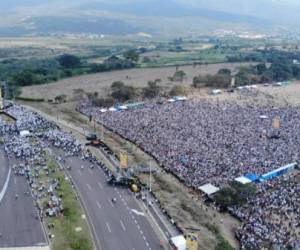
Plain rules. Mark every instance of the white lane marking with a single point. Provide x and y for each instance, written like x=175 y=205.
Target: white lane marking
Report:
x=108 y=227
x=89 y=186
x=137 y=212
x=147 y=244
x=123 y=226
x=79 y=171
x=141 y=232
x=98 y=204
x=144 y=238
x=100 y=185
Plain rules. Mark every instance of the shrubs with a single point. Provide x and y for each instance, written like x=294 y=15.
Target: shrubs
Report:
x=69 y=61
x=235 y=194
x=152 y=90
x=178 y=90
x=216 y=81
x=121 y=92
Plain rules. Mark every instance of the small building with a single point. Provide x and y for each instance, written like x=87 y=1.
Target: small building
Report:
x=178 y=242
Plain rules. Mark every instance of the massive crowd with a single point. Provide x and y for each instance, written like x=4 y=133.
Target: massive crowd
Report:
x=201 y=142
x=204 y=142
x=272 y=218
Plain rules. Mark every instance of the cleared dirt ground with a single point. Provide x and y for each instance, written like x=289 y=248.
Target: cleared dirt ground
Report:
x=101 y=82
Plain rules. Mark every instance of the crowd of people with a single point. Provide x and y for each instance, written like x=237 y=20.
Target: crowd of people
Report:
x=29 y=155
x=272 y=218
x=203 y=142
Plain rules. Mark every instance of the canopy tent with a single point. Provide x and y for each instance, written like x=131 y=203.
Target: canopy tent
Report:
x=103 y=110
x=24 y=133
x=122 y=107
x=112 y=109
x=209 y=189
x=171 y=100
x=179 y=242
x=135 y=105
x=278 y=172
x=180 y=98
x=242 y=180
x=252 y=177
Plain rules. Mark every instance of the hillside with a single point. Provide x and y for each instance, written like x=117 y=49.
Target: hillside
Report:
x=167 y=18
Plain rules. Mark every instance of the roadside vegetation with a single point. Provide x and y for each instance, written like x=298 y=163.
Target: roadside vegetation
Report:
x=70 y=230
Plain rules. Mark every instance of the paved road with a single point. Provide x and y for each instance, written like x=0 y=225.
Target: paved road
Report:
x=120 y=225
x=3 y=168
x=18 y=225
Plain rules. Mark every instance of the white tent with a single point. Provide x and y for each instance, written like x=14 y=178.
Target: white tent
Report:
x=242 y=180
x=179 y=242
x=263 y=117
x=122 y=107
x=112 y=109
x=24 y=133
x=216 y=91
x=171 y=100
x=103 y=110
x=209 y=189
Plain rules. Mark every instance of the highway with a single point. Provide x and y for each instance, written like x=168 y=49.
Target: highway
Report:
x=19 y=226
x=119 y=225
x=3 y=168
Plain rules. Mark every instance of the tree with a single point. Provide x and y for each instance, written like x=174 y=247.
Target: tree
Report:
x=60 y=98
x=236 y=194
x=132 y=55
x=121 y=92
x=152 y=90
x=178 y=76
x=224 y=71
x=178 y=90
x=281 y=71
x=261 y=68
x=25 y=78
x=69 y=61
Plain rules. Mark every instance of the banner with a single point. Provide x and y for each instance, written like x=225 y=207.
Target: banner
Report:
x=123 y=160
x=276 y=123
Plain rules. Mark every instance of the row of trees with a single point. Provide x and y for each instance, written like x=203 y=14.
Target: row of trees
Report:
x=122 y=93
x=37 y=71
x=279 y=70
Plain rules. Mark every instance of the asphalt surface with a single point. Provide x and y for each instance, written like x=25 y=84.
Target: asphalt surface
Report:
x=18 y=224
x=119 y=225
x=3 y=168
